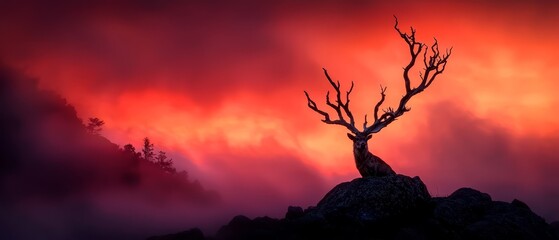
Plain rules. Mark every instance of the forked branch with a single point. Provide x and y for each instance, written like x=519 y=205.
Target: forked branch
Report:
x=433 y=64
x=339 y=106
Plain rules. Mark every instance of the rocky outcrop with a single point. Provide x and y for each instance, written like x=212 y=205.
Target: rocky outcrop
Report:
x=470 y=214
x=374 y=200
x=392 y=207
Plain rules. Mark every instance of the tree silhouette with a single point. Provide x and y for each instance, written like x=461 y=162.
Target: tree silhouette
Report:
x=128 y=148
x=368 y=164
x=95 y=125
x=165 y=163
x=131 y=153
x=147 y=150
x=48 y=156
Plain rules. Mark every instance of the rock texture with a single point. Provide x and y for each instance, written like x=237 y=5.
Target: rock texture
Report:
x=391 y=207
x=373 y=200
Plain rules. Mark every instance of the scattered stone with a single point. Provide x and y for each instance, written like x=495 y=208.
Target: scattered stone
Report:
x=294 y=212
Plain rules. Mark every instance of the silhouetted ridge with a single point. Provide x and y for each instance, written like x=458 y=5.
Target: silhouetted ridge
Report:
x=47 y=151
x=61 y=180
x=391 y=207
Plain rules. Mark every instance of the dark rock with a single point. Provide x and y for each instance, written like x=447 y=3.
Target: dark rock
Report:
x=192 y=234
x=239 y=221
x=242 y=227
x=374 y=199
x=506 y=221
x=520 y=204
x=294 y=212
x=393 y=207
x=555 y=227
x=461 y=208
x=470 y=195
x=410 y=233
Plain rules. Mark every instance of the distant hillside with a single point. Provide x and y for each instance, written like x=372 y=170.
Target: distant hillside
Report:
x=47 y=156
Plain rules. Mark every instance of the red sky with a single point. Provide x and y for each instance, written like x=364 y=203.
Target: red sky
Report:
x=220 y=87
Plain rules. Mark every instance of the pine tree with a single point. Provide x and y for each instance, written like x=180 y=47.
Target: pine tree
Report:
x=128 y=148
x=165 y=163
x=131 y=153
x=95 y=125
x=147 y=150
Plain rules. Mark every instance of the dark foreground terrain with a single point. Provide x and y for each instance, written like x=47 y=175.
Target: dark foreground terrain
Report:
x=392 y=207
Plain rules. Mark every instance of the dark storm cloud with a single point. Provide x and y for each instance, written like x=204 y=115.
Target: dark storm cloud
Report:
x=196 y=48
x=209 y=50
x=206 y=50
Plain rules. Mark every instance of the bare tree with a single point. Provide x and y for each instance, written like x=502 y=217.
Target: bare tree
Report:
x=368 y=164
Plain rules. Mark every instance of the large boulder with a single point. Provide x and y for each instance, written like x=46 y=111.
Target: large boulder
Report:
x=514 y=220
x=471 y=214
x=463 y=207
x=374 y=199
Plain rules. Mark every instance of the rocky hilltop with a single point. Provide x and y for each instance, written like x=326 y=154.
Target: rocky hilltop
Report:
x=391 y=207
